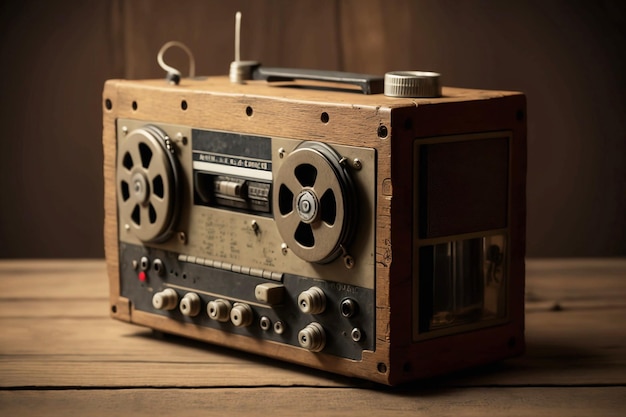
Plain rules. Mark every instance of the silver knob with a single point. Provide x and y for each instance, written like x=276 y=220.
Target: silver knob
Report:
x=312 y=301
x=241 y=315
x=219 y=310
x=312 y=337
x=165 y=300
x=417 y=84
x=190 y=304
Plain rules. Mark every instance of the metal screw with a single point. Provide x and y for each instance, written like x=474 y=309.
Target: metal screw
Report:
x=348 y=261
x=125 y=130
x=283 y=248
x=255 y=226
x=382 y=131
x=182 y=237
x=281 y=152
x=357 y=164
x=127 y=227
x=180 y=138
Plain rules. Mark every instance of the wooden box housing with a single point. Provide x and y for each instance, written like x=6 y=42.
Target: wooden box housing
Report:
x=414 y=205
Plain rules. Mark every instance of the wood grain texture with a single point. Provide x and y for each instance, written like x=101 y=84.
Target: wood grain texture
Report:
x=61 y=354
x=271 y=401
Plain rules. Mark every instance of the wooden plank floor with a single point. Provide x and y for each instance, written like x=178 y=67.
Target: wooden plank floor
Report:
x=61 y=354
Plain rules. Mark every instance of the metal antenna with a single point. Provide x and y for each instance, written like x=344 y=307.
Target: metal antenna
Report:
x=238 y=37
x=240 y=70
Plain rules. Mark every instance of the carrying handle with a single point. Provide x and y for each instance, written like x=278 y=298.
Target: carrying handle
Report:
x=246 y=70
x=369 y=84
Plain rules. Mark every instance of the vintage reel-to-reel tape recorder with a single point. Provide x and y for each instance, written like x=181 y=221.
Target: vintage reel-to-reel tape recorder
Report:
x=368 y=234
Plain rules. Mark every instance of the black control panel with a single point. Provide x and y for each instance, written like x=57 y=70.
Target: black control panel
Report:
x=317 y=315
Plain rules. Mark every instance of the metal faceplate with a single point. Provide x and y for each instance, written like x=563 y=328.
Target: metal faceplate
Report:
x=225 y=244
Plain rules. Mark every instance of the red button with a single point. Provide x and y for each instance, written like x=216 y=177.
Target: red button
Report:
x=142 y=276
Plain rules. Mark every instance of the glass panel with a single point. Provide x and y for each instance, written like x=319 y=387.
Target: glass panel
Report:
x=462 y=282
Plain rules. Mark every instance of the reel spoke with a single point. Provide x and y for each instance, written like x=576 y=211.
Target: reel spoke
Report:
x=292 y=184
x=324 y=232
x=324 y=183
x=126 y=206
x=291 y=221
x=135 y=155
x=124 y=175
x=158 y=166
x=159 y=204
x=144 y=216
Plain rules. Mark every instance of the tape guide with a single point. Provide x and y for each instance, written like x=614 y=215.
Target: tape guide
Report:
x=370 y=235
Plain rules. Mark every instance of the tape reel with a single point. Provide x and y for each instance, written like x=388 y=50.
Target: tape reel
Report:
x=314 y=203
x=147 y=181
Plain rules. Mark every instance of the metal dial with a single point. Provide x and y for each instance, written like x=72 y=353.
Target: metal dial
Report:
x=147 y=178
x=314 y=203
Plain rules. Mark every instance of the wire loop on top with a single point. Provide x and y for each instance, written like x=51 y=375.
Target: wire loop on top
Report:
x=173 y=74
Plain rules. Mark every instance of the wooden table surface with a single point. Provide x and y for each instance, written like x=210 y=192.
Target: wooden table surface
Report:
x=61 y=354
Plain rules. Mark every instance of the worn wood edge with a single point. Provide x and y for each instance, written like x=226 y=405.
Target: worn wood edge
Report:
x=221 y=85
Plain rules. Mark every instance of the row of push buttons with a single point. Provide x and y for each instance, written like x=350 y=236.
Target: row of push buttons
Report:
x=246 y=270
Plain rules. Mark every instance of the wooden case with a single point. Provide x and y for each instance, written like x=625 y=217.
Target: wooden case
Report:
x=408 y=215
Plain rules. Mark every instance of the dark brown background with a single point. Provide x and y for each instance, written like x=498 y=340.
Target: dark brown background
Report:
x=567 y=56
